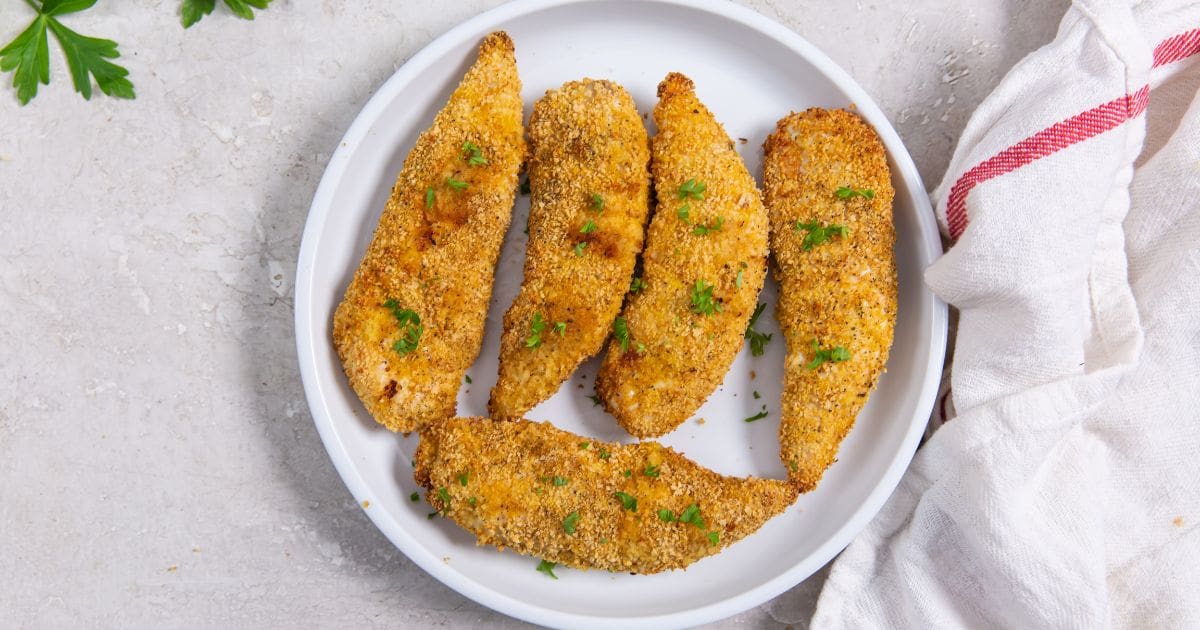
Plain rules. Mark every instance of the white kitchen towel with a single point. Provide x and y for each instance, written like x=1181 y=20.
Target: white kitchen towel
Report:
x=1066 y=491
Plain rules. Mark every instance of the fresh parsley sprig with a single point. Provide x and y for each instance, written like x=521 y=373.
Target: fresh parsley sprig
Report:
x=28 y=56
x=702 y=299
x=758 y=341
x=818 y=234
x=536 y=327
x=193 y=10
x=831 y=355
x=410 y=327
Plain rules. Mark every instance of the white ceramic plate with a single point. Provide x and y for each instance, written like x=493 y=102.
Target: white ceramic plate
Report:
x=750 y=72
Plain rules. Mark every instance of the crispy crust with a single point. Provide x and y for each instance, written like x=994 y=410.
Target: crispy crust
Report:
x=842 y=292
x=585 y=138
x=438 y=261
x=686 y=355
x=509 y=498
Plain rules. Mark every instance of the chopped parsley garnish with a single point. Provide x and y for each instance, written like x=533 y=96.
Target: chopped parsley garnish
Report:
x=414 y=497
x=430 y=196
x=737 y=282
x=704 y=230
x=846 y=192
x=597 y=203
x=456 y=184
x=464 y=478
x=637 y=284
x=621 y=332
x=627 y=501
x=818 y=234
x=571 y=522
x=792 y=465
x=536 y=327
x=468 y=377
x=585 y=444
x=595 y=400
x=560 y=481
x=702 y=299
x=758 y=416
x=604 y=454
x=682 y=213
x=560 y=328
x=627 y=473
x=431 y=515
x=641 y=348
x=472 y=501
x=547 y=568
x=713 y=538
x=588 y=227
x=692 y=515
x=757 y=340
x=757 y=395
x=472 y=154
x=692 y=188
x=579 y=247
x=410 y=327
x=666 y=516
x=836 y=354
x=444 y=495
x=650 y=470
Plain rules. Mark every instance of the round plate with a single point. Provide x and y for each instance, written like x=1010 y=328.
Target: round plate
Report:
x=750 y=72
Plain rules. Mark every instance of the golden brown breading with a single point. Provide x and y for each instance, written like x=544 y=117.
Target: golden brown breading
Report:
x=674 y=357
x=590 y=187
x=840 y=293
x=553 y=494
x=434 y=251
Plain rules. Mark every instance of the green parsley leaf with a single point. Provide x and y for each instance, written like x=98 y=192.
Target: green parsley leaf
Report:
x=571 y=522
x=547 y=568
x=628 y=473
x=468 y=377
x=627 y=501
x=757 y=395
x=692 y=515
x=621 y=332
x=818 y=234
x=28 y=55
x=431 y=515
x=536 y=327
x=597 y=203
x=472 y=501
x=832 y=355
x=713 y=538
x=692 y=188
x=456 y=184
x=650 y=470
x=472 y=154
x=637 y=284
x=846 y=192
x=464 y=478
x=705 y=230
x=667 y=516
x=560 y=481
x=410 y=327
x=737 y=283
x=588 y=227
x=604 y=454
x=595 y=400
x=758 y=416
x=758 y=341
x=792 y=465
x=193 y=10
x=414 y=497
x=444 y=496
x=579 y=247
x=430 y=197
x=702 y=299
x=585 y=444
x=561 y=328
x=682 y=213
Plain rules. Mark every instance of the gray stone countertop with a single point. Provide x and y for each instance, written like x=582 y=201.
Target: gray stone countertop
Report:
x=158 y=465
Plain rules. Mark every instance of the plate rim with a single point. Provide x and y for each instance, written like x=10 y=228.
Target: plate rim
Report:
x=930 y=249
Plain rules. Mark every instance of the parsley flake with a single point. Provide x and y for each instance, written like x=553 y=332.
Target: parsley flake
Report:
x=650 y=471
x=595 y=400
x=682 y=213
x=713 y=538
x=414 y=497
x=628 y=473
x=846 y=192
x=410 y=327
x=702 y=299
x=534 y=340
x=468 y=377
x=667 y=516
x=585 y=444
x=597 y=203
x=604 y=454
x=637 y=284
x=757 y=395
x=836 y=354
x=560 y=481
x=430 y=197
x=464 y=478
x=705 y=230
x=588 y=227
x=692 y=515
x=627 y=501
x=758 y=416
x=571 y=522
x=621 y=332
x=444 y=496
x=818 y=234
x=473 y=154
x=456 y=184
x=547 y=568
x=693 y=189
x=758 y=341
x=579 y=247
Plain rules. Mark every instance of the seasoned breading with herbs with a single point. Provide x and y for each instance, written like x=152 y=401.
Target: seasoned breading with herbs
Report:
x=829 y=193
x=412 y=318
x=590 y=194
x=703 y=266
x=575 y=501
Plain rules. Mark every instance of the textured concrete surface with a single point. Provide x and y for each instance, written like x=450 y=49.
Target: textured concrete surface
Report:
x=158 y=466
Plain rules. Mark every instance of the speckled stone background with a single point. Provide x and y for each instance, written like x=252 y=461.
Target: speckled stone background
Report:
x=158 y=466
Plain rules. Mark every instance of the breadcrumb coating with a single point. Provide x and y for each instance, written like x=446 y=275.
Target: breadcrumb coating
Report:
x=709 y=227
x=589 y=182
x=567 y=499
x=435 y=249
x=841 y=292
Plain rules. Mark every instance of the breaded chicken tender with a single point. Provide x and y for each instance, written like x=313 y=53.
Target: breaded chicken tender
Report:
x=829 y=193
x=704 y=263
x=590 y=193
x=412 y=319
x=542 y=491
